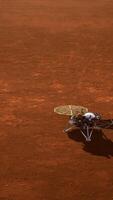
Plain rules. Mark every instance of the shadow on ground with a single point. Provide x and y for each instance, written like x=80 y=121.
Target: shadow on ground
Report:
x=100 y=144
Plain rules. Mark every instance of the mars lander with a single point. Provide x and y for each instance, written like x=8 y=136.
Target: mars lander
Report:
x=86 y=121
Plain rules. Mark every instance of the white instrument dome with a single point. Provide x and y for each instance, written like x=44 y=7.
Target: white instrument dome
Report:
x=89 y=115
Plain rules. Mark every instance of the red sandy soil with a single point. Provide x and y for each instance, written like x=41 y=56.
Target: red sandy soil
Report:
x=52 y=53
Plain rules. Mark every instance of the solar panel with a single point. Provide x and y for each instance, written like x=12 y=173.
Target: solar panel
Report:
x=70 y=110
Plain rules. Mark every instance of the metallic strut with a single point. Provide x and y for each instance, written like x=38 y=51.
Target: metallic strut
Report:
x=87 y=133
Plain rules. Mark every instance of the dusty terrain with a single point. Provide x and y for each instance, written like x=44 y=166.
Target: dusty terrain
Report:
x=52 y=53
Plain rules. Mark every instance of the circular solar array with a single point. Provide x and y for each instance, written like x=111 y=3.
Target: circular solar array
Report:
x=70 y=110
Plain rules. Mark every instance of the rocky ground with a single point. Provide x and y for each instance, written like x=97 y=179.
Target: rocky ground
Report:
x=54 y=53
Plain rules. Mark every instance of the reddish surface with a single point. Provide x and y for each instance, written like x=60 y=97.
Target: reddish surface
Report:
x=54 y=52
